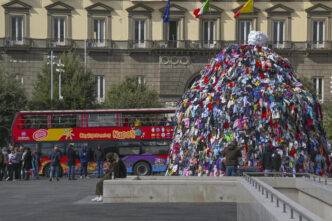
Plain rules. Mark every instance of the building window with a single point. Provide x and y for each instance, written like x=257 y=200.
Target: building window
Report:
x=17 y=29
x=99 y=31
x=139 y=33
x=208 y=33
x=59 y=28
x=319 y=87
x=244 y=30
x=318 y=33
x=278 y=33
x=100 y=88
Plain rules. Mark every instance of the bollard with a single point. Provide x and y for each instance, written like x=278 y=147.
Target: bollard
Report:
x=284 y=209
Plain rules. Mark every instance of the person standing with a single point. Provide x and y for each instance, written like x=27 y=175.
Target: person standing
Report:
x=2 y=165
x=55 y=163
x=99 y=158
x=19 y=157
x=11 y=165
x=71 y=155
x=84 y=159
x=231 y=153
x=27 y=163
x=35 y=164
x=267 y=160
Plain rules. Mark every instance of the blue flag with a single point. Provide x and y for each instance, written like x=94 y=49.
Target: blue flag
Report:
x=167 y=12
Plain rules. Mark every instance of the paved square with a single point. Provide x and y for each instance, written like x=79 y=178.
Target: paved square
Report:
x=39 y=200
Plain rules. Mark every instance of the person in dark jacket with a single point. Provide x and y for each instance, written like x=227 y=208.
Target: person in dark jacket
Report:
x=71 y=154
x=2 y=165
x=35 y=164
x=267 y=160
x=55 y=163
x=116 y=169
x=99 y=157
x=276 y=160
x=231 y=153
x=26 y=163
x=84 y=160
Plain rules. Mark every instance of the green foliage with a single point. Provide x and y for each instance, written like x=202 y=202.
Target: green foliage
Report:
x=78 y=86
x=131 y=94
x=12 y=100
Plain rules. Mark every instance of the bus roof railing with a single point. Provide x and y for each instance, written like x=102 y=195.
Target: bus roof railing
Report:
x=138 y=110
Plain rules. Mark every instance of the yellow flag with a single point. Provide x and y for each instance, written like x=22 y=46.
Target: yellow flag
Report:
x=248 y=7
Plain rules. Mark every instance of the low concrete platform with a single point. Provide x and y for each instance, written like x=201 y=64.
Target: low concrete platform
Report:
x=251 y=203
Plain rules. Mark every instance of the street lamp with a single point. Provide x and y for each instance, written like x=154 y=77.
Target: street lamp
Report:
x=50 y=61
x=60 y=70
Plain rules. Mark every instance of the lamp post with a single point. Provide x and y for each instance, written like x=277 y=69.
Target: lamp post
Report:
x=50 y=58
x=60 y=70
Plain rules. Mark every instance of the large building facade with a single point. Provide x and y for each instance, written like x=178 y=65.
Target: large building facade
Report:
x=119 y=38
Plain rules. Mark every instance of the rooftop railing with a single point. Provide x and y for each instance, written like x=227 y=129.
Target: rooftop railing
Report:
x=106 y=44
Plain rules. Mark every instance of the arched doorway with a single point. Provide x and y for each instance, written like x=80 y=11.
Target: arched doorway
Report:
x=191 y=81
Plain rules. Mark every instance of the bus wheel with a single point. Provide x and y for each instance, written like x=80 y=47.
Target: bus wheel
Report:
x=142 y=168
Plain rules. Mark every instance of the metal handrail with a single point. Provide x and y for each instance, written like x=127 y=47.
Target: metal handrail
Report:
x=315 y=178
x=260 y=186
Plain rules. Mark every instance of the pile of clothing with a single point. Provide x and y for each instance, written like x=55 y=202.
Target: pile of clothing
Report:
x=250 y=96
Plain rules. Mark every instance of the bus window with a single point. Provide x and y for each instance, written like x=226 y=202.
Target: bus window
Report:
x=158 y=150
x=123 y=151
x=101 y=120
x=35 y=121
x=64 y=120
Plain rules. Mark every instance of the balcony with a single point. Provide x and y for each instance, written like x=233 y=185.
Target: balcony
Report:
x=15 y=44
x=59 y=43
x=319 y=45
x=97 y=45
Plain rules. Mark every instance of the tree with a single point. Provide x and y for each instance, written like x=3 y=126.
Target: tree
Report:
x=77 y=85
x=132 y=94
x=12 y=100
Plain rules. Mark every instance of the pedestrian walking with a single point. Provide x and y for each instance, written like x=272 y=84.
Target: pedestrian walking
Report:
x=84 y=160
x=27 y=163
x=99 y=157
x=116 y=169
x=55 y=163
x=71 y=155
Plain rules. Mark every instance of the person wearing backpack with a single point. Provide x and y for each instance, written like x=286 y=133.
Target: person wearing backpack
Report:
x=55 y=163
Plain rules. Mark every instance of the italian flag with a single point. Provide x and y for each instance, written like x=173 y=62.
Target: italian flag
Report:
x=248 y=7
x=202 y=10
